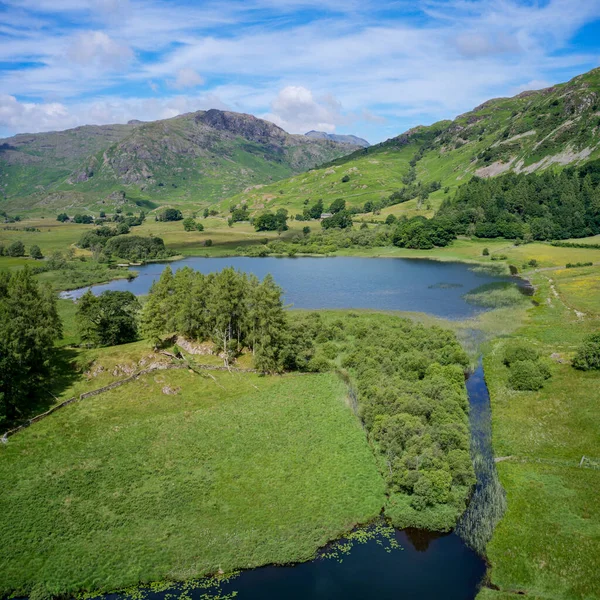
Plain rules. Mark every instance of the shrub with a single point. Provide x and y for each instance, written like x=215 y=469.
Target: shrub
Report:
x=526 y=375
x=345 y=178
x=35 y=252
x=588 y=354
x=16 y=249
x=519 y=351
x=485 y=252
x=208 y=243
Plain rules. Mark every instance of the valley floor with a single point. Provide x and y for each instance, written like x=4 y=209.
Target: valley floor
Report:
x=548 y=543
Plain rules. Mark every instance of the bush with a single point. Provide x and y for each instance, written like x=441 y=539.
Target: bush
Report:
x=519 y=351
x=485 y=252
x=208 y=243
x=345 y=178
x=588 y=354
x=16 y=249
x=526 y=375
x=35 y=252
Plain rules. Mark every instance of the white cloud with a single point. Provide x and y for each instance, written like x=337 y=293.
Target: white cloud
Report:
x=32 y=117
x=97 y=48
x=187 y=78
x=297 y=111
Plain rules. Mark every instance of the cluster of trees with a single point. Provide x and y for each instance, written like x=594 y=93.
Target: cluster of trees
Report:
x=423 y=233
x=413 y=402
x=169 y=214
x=231 y=309
x=527 y=371
x=271 y=221
x=340 y=217
x=239 y=213
x=190 y=224
x=325 y=241
x=17 y=248
x=29 y=328
x=136 y=248
x=540 y=207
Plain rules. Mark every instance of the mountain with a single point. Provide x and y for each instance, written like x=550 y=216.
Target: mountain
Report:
x=529 y=133
x=198 y=157
x=334 y=137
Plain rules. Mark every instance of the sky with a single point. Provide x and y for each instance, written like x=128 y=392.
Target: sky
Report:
x=373 y=68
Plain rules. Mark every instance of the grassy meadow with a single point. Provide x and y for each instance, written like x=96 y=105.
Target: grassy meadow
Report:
x=548 y=543
x=136 y=485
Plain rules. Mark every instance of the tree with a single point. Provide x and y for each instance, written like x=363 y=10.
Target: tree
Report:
x=35 y=252
x=588 y=354
x=109 y=319
x=340 y=220
x=390 y=220
x=189 y=224
x=155 y=316
x=205 y=213
x=337 y=205
x=29 y=327
x=199 y=227
x=306 y=230
x=62 y=217
x=16 y=249
x=266 y=325
x=315 y=211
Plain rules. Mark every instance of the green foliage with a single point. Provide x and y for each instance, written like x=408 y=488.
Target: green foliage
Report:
x=189 y=224
x=29 y=327
x=108 y=319
x=17 y=248
x=62 y=217
x=339 y=204
x=169 y=214
x=230 y=309
x=85 y=219
x=519 y=351
x=134 y=248
x=269 y=221
x=525 y=375
x=412 y=400
x=422 y=233
x=543 y=207
x=577 y=265
x=35 y=252
x=588 y=354
x=497 y=294
x=341 y=219
x=485 y=252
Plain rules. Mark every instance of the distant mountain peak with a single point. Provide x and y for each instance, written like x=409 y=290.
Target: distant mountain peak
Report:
x=340 y=139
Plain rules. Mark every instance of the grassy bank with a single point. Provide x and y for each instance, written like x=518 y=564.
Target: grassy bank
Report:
x=548 y=543
x=138 y=485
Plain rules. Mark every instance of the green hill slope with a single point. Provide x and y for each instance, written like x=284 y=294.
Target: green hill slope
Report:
x=531 y=132
x=199 y=157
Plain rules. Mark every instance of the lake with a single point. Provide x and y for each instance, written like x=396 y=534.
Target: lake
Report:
x=427 y=286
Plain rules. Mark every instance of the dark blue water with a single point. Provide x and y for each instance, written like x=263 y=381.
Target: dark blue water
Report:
x=427 y=286
x=426 y=567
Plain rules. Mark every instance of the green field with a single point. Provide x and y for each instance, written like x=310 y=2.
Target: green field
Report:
x=132 y=486
x=548 y=543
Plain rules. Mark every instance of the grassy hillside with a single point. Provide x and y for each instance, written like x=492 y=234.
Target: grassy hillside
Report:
x=197 y=157
x=531 y=132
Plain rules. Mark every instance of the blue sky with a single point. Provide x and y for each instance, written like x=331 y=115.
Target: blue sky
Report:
x=372 y=68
